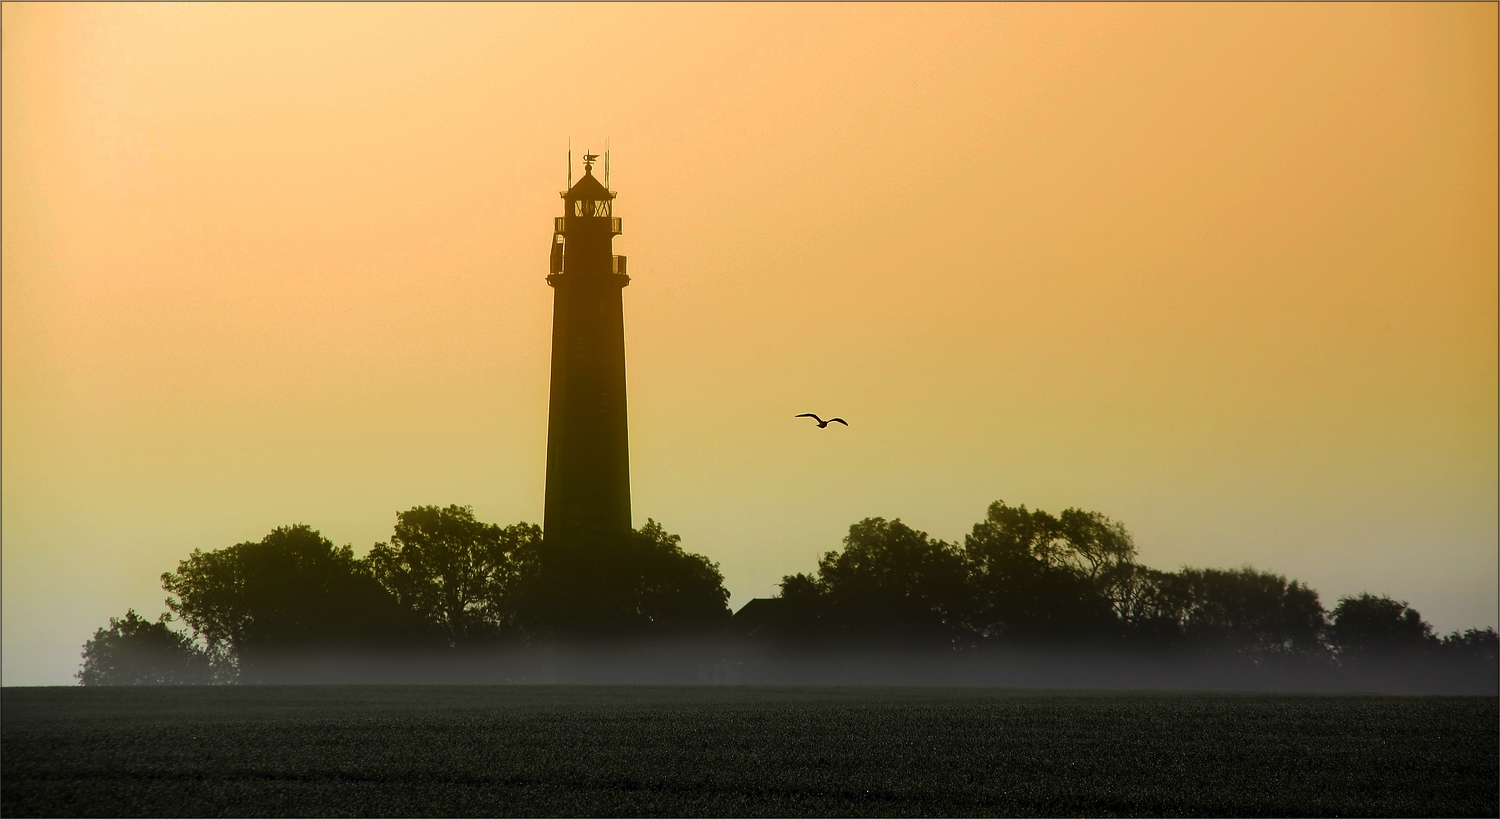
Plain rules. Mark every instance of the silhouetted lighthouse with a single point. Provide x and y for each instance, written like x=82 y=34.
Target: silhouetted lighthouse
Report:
x=588 y=452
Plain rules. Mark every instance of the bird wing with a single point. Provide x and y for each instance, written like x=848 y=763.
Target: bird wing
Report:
x=809 y=415
x=840 y=420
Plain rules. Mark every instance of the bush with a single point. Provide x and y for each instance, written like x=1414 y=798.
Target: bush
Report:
x=136 y=651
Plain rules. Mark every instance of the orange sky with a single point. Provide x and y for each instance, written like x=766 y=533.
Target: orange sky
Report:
x=1224 y=272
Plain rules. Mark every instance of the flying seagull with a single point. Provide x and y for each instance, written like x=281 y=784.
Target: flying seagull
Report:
x=821 y=422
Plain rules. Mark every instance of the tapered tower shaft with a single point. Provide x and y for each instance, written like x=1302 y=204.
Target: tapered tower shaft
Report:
x=588 y=450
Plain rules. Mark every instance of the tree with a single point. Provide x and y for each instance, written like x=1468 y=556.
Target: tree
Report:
x=890 y=583
x=1093 y=547
x=1482 y=644
x=292 y=591
x=677 y=590
x=456 y=572
x=1368 y=627
x=801 y=589
x=600 y=585
x=1252 y=613
x=1473 y=654
x=136 y=651
x=1039 y=576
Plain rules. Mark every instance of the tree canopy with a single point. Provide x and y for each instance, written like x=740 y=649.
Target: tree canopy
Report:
x=1029 y=578
x=292 y=590
x=889 y=582
x=1257 y=614
x=1039 y=577
x=455 y=571
x=1367 y=625
x=443 y=578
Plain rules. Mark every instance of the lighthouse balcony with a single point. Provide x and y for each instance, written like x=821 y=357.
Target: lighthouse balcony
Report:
x=617 y=265
x=560 y=222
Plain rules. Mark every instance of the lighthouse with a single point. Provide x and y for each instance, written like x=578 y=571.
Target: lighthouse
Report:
x=588 y=450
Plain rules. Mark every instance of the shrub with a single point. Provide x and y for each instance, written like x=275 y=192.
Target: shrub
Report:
x=137 y=651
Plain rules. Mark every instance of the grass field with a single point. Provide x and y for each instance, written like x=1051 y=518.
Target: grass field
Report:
x=556 y=750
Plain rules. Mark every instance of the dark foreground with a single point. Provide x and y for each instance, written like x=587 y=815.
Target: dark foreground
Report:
x=706 y=751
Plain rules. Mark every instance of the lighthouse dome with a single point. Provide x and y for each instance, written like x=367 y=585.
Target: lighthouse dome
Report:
x=588 y=188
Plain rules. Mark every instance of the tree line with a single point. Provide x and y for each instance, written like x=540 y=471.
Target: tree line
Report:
x=1025 y=578
x=444 y=580
x=447 y=582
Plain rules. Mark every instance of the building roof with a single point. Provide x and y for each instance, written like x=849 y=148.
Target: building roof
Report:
x=588 y=188
x=767 y=613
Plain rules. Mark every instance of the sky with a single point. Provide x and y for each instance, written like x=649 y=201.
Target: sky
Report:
x=1225 y=273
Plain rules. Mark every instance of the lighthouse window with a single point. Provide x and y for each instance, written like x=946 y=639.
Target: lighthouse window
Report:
x=591 y=207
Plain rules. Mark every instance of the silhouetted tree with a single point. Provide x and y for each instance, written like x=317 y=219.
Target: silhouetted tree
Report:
x=1472 y=655
x=137 y=651
x=598 y=585
x=292 y=591
x=890 y=583
x=792 y=616
x=1094 y=547
x=1483 y=644
x=678 y=590
x=1031 y=579
x=803 y=589
x=1370 y=627
x=1152 y=608
x=456 y=572
x=1039 y=576
x=1248 y=612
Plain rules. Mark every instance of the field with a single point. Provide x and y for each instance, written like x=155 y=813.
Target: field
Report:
x=565 y=750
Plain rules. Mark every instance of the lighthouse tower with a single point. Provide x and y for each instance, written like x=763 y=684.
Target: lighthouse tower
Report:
x=588 y=451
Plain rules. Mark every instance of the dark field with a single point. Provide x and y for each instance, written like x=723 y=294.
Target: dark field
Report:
x=557 y=750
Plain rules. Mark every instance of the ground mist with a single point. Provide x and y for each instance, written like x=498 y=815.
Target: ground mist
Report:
x=692 y=662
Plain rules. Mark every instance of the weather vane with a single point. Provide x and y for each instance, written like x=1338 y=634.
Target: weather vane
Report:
x=588 y=162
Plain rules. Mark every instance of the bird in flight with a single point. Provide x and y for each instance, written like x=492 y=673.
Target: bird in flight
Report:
x=821 y=422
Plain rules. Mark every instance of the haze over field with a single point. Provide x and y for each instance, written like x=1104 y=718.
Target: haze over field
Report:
x=1225 y=273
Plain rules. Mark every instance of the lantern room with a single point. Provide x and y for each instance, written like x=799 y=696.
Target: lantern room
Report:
x=588 y=205
x=581 y=237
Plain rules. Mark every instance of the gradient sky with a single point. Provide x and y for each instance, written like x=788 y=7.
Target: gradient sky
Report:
x=1224 y=272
